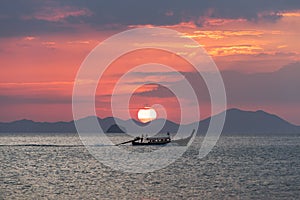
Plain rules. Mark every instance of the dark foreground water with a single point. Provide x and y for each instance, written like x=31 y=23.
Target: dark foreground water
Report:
x=237 y=168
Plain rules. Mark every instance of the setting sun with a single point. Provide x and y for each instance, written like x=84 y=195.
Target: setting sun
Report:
x=146 y=114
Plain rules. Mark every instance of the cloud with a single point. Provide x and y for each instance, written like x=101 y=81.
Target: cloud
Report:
x=20 y=18
x=257 y=61
x=217 y=34
x=14 y=93
x=170 y=12
x=278 y=87
x=49 y=44
x=34 y=99
x=291 y=14
x=59 y=14
x=29 y=38
x=236 y=50
x=157 y=91
x=41 y=17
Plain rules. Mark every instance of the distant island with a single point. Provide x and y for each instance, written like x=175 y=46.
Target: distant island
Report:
x=238 y=122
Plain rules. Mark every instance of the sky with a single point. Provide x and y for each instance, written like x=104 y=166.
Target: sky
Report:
x=255 y=45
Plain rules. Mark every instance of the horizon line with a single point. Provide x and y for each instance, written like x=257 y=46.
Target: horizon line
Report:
x=200 y=120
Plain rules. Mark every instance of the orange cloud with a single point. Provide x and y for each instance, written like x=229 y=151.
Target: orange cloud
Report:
x=29 y=38
x=235 y=50
x=291 y=14
x=208 y=22
x=223 y=34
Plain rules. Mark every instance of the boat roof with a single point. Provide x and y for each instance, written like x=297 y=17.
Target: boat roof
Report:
x=161 y=137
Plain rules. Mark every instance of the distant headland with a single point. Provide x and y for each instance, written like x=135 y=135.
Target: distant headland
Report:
x=238 y=122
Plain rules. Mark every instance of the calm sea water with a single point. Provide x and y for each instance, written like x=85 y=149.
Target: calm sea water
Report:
x=238 y=168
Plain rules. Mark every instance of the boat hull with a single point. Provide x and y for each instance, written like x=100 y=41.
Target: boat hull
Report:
x=140 y=141
x=134 y=143
x=163 y=141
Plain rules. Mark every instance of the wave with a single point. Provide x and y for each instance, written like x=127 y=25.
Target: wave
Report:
x=52 y=145
x=40 y=145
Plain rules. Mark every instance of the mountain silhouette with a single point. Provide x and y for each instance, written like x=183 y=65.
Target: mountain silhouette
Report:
x=251 y=122
x=115 y=129
x=29 y=126
x=237 y=122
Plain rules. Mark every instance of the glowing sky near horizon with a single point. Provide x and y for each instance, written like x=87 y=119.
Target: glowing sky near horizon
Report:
x=42 y=45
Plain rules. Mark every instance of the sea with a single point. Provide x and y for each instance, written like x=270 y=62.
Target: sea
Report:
x=238 y=167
